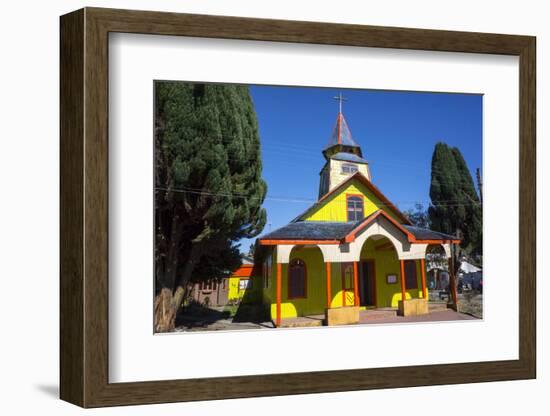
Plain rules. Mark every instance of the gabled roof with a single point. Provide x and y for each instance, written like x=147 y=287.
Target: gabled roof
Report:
x=360 y=177
x=311 y=230
x=341 y=134
x=319 y=232
x=427 y=234
x=244 y=271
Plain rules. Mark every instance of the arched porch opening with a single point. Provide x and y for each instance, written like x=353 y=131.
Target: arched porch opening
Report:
x=437 y=270
x=302 y=283
x=440 y=274
x=379 y=273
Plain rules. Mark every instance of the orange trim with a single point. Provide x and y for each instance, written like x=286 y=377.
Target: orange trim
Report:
x=352 y=234
x=423 y=274
x=329 y=293
x=355 y=284
x=350 y=238
x=296 y=242
x=278 y=294
x=403 y=291
x=456 y=241
x=362 y=201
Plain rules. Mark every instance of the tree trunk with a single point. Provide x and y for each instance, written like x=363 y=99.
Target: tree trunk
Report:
x=168 y=302
x=183 y=282
x=165 y=311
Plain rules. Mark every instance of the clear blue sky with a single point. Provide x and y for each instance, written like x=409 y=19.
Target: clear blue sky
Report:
x=397 y=132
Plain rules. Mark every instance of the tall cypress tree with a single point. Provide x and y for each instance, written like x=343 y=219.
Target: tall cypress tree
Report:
x=208 y=186
x=455 y=207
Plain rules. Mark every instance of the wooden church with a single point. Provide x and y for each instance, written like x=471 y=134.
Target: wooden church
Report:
x=351 y=250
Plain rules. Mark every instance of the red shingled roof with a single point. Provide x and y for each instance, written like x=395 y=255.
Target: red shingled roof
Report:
x=244 y=271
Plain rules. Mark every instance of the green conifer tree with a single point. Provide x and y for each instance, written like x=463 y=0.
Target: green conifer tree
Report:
x=455 y=207
x=208 y=186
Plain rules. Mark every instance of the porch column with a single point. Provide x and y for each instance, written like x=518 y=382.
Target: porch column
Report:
x=329 y=292
x=355 y=284
x=278 y=295
x=403 y=291
x=423 y=271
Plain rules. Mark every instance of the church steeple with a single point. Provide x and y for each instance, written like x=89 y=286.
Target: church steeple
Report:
x=341 y=139
x=343 y=154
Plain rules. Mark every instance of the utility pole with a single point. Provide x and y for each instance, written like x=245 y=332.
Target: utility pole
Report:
x=479 y=185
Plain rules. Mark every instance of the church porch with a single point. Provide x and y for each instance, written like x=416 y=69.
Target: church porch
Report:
x=436 y=313
x=376 y=268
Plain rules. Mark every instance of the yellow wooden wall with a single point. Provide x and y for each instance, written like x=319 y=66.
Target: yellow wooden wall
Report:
x=314 y=303
x=252 y=295
x=336 y=175
x=335 y=207
x=387 y=295
x=386 y=262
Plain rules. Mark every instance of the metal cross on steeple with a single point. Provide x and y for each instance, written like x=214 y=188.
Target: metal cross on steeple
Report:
x=340 y=98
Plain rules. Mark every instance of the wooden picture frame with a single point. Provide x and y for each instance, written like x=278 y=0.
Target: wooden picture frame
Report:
x=84 y=207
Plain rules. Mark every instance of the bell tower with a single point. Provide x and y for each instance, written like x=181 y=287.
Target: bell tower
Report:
x=342 y=154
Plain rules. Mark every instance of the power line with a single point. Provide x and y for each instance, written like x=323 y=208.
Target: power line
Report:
x=196 y=191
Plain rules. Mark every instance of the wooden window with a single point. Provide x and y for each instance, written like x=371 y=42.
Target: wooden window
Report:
x=297 y=279
x=355 y=207
x=411 y=282
x=347 y=276
x=348 y=168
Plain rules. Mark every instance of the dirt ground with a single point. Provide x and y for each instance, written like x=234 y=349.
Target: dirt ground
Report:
x=231 y=318
x=471 y=303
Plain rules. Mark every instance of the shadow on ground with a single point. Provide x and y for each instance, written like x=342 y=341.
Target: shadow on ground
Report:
x=196 y=315
x=251 y=313
x=51 y=390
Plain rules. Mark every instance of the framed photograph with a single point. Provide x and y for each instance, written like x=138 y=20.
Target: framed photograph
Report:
x=292 y=188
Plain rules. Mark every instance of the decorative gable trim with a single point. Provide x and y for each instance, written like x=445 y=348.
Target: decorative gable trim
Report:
x=350 y=237
x=353 y=233
x=361 y=178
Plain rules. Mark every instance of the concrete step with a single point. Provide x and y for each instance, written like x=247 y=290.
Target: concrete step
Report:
x=301 y=322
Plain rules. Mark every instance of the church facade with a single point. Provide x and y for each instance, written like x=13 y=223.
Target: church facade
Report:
x=352 y=249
